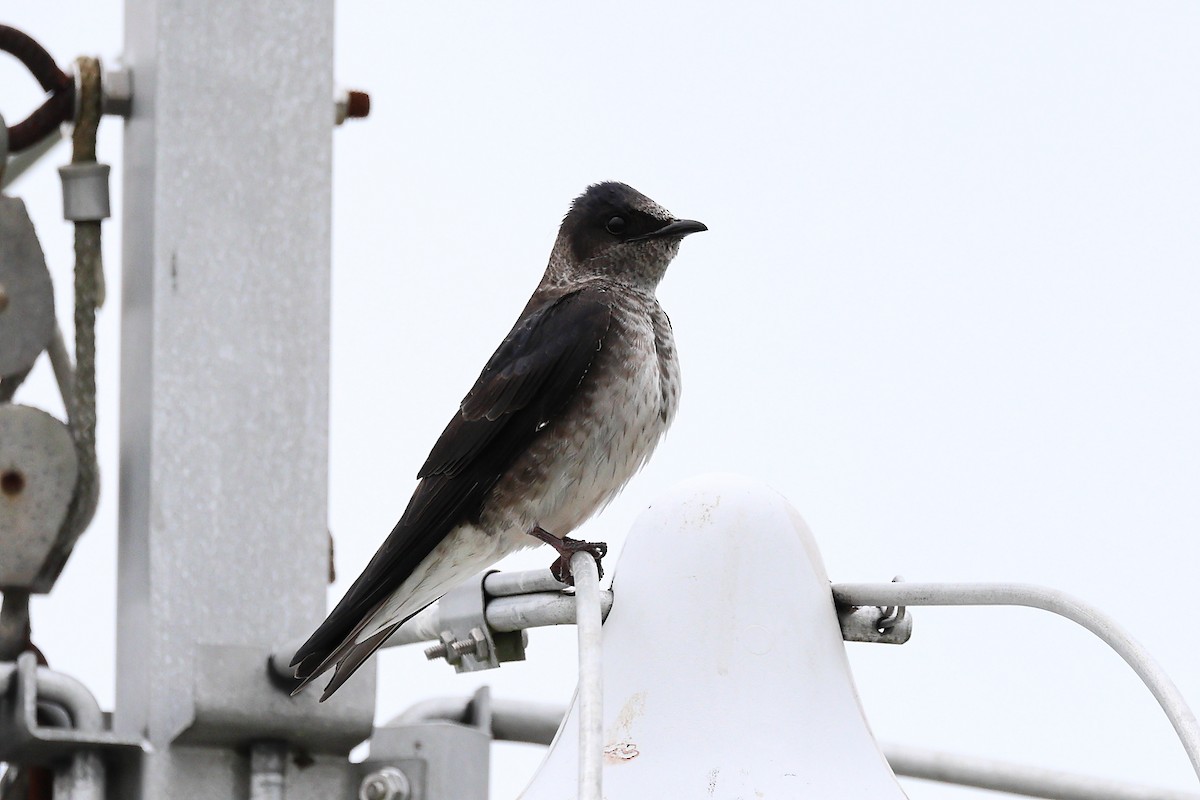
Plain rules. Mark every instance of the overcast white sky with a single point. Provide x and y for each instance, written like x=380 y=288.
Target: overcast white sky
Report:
x=947 y=305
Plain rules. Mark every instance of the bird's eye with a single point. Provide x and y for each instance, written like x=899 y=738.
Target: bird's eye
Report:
x=615 y=226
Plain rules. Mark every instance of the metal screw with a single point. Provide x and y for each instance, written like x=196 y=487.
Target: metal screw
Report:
x=462 y=647
x=3 y=297
x=388 y=783
x=476 y=645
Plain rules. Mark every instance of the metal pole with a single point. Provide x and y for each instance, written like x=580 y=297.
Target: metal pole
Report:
x=1054 y=601
x=591 y=679
x=223 y=543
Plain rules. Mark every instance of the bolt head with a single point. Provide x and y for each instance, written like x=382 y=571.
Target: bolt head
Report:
x=388 y=783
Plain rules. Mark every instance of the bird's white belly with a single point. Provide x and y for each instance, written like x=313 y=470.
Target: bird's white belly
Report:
x=602 y=454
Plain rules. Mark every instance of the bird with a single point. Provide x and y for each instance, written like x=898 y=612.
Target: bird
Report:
x=567 y=409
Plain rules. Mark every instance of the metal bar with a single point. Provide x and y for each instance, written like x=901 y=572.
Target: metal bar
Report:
x=506 y=584
x=1001 y=776
x=591 y=680
x=63 y=690
x=503 y=613
x=19 y=163
x=511 y=612
x=72 y=695
x=82 y=777
x=512 y=720
x=539 y=610
x=1054 y=601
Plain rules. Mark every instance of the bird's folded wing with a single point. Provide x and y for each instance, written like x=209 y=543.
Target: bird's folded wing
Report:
x=535 y=370
x=531 y=377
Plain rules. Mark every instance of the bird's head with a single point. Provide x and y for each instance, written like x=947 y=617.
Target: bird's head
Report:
x=616 y=232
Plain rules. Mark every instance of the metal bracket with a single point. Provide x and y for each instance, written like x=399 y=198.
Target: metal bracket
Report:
x=467 y=641
x=22 y=740
x=431 y=759
x=875 y=624
x=237 y=701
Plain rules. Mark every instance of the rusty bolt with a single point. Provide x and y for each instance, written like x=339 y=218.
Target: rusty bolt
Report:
x=352 y=104
x=3 y=298
x=358 y=104
x=12 y=482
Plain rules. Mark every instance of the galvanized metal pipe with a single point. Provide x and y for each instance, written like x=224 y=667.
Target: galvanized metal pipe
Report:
x=506 y=584
x=508 y=612
x=81 y=778
x=512 y=720
x=517 y=601
x=1001 y=776
x=72 y=695
x=1054 y=601
x=588 y=618
x=539 y=610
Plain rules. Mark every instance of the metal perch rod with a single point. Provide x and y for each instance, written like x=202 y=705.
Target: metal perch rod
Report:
x=1054 y=601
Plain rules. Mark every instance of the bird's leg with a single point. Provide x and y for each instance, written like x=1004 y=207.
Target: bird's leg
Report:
x=561 y=568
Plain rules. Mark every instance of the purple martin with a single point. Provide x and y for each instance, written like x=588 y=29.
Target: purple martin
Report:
x=567 y=409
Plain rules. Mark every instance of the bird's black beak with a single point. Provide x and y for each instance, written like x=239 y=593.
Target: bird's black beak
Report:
x=676 y=227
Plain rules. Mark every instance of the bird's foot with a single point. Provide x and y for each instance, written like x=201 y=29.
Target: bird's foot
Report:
x=566 y=547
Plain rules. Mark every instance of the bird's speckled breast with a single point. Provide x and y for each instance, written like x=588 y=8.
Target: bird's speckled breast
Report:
x=581 y=460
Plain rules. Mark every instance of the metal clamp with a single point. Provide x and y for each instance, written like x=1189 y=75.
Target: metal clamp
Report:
x=875 y=624
x=466 y=639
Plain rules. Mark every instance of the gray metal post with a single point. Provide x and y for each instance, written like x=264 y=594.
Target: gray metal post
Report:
x=224 y=394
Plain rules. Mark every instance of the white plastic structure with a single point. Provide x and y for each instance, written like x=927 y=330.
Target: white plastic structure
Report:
x=725 y=675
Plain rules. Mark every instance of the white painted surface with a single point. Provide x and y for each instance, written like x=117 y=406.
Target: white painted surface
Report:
x=725 y=675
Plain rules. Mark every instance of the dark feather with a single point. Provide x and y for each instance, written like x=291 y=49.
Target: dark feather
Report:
x=530 y=378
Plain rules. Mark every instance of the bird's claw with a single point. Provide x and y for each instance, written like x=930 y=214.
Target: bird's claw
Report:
x=567 y=547
x=561 y=568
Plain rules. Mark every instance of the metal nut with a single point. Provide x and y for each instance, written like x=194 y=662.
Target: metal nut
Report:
x=388 y=783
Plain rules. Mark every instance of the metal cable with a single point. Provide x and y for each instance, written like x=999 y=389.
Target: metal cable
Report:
x=57 y=108
x=81 y=403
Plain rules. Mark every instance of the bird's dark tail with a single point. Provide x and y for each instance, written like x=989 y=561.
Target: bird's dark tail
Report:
x=345 y=661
